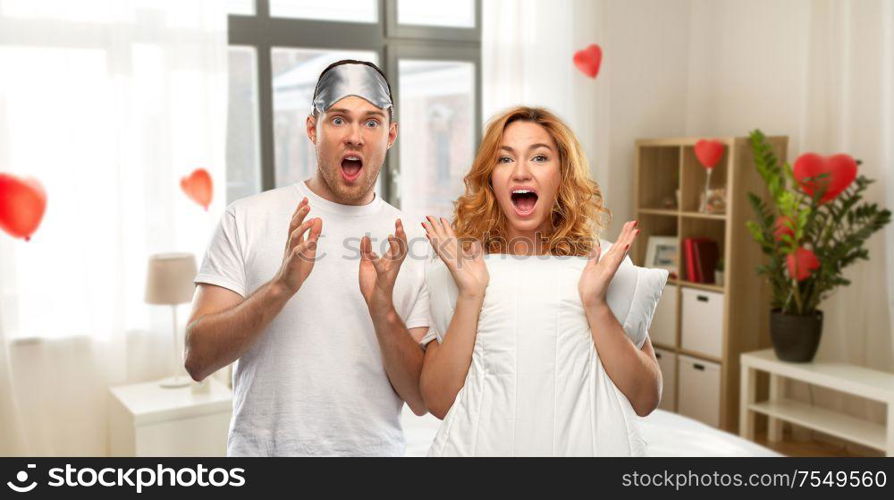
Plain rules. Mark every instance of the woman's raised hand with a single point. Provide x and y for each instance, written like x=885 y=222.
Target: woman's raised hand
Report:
x=466 y=265
x=600 y=269
x=378 y=274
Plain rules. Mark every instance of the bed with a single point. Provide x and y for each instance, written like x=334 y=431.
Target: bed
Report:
x=667 y=434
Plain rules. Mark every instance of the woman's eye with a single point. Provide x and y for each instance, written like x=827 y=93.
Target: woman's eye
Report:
x=540 y=158
x=504 y=159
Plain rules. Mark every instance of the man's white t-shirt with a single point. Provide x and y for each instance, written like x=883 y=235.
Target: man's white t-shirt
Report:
x=313 y=383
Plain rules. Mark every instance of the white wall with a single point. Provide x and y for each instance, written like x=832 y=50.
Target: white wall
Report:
x=645 y=70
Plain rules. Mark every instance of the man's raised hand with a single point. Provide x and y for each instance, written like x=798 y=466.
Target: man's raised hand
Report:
x=301 y=249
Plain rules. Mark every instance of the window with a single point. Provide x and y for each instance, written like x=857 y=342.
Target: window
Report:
x=358 y=11
x=430 y=52
x=241 y=7
x=456 y=13
x=437 y=103
x=243 y=158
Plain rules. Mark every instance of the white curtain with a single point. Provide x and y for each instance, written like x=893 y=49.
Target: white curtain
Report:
x=108 y=103
x=819 y=71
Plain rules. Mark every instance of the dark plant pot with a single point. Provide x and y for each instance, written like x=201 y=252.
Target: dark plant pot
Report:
x=795 y=338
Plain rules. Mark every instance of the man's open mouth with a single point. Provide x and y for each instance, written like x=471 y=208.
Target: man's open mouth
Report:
x=351 y=165
x=524 y=201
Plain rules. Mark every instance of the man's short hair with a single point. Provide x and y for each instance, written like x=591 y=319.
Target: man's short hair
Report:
x=355 y=61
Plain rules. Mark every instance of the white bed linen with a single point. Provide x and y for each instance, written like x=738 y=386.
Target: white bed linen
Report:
x=667 y=434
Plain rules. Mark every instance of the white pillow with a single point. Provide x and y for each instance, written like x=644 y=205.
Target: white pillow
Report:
x=632 y=296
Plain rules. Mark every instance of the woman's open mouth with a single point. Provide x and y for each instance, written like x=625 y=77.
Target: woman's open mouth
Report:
x=524 y=201
x=351 y=165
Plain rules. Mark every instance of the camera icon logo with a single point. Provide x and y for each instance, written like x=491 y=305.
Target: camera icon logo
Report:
x=21 y=477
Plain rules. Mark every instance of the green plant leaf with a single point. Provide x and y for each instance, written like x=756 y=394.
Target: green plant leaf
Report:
x=836 y=231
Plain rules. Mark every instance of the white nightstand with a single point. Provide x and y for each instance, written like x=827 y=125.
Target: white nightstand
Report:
x=856 y=380
x=146 y=420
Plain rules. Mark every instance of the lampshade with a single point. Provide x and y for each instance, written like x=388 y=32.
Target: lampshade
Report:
x=169 y=280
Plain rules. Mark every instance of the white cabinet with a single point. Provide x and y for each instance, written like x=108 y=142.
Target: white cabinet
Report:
x=663 y=329
x=702 y=322
x=146 y=420
x=667 y=362
x=699 y=390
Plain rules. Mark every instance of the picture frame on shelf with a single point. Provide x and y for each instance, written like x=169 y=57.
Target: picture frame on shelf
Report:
x=663 y=252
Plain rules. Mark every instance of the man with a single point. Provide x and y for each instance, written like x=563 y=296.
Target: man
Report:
x=324 y=332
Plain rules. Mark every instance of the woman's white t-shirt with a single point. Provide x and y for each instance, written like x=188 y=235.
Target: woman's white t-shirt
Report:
x=313 y=383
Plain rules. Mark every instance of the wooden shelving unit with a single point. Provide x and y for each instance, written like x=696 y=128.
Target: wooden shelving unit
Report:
x=662 y=167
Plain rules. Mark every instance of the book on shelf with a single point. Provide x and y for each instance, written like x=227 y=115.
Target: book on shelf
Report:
x=689 y=254
x=701 y=259
x=706 y=255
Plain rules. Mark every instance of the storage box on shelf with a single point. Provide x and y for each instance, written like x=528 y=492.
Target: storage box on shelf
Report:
x=701 y=317
x=699 y=389
x=699 y=329
x=667 y=362
x=664 y=320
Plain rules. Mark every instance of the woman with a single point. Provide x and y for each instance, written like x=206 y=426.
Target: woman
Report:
x=530 y=358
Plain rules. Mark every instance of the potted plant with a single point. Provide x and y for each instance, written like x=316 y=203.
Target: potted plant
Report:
x=814 y=227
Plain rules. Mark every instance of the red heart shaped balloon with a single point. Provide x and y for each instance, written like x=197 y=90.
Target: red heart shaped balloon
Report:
x=22 y=205
x=841 y=171
x=801 y=264
x=588 y=60
x=709 y=152
x=198 y=187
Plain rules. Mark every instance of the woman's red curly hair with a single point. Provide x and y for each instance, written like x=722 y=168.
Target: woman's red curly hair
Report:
x=578 y=210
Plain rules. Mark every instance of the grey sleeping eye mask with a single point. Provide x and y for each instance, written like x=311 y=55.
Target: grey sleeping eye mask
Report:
x=351 y=80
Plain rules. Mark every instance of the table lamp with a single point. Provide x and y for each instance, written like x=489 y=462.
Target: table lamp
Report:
x=169 y=282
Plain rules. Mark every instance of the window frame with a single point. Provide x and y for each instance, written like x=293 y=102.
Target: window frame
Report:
x=393 y=29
